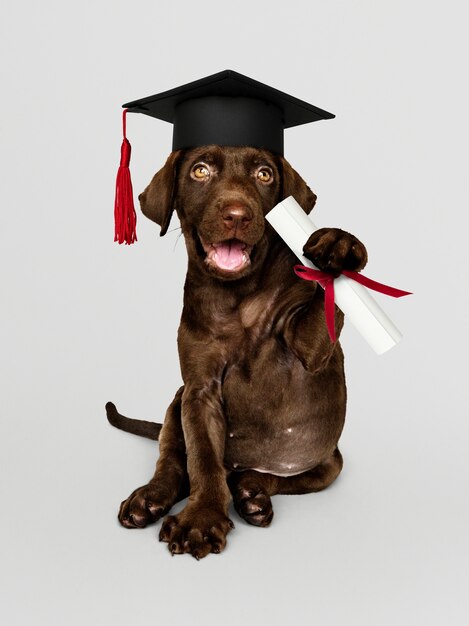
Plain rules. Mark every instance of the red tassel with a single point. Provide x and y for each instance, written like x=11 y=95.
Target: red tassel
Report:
x=125 y=218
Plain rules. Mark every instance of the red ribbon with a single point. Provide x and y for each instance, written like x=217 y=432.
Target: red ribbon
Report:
x=327 y=281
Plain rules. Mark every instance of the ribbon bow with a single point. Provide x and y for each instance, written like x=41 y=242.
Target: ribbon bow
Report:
x=327 y=281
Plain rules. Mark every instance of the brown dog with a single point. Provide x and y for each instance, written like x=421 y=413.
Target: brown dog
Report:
x=263 y=402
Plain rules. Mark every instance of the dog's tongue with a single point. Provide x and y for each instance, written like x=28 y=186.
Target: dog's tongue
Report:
x=229 y=254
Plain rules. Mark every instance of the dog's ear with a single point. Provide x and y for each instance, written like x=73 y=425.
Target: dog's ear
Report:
x=157 y=201
x=291 y=184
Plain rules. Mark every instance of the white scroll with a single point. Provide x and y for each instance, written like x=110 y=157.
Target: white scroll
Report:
x=295 y=227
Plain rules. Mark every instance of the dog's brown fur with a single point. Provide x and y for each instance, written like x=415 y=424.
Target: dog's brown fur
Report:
x=264 y=388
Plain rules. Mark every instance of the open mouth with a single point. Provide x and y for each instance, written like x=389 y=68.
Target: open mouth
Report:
x=231 y=255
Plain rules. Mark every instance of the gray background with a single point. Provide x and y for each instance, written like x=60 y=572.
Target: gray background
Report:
x=85 y=321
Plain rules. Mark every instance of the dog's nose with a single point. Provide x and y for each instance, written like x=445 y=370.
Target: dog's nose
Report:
x=236 y=216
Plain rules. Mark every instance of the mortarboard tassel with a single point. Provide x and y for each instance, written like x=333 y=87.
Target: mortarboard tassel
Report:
x=125 y=218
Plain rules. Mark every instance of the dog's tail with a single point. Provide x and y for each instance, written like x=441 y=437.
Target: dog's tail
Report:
x=150 y=430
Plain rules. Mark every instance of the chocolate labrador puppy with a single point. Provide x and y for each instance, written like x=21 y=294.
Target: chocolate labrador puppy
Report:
x=263 y=402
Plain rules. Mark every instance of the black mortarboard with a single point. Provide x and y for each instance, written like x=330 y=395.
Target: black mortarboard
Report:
x=228 y=109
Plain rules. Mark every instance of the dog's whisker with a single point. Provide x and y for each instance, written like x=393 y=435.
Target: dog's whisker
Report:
x=177 y=240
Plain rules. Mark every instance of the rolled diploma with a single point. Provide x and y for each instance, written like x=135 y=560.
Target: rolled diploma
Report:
x=295 y=227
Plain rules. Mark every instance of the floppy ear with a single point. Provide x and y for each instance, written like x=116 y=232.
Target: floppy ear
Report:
x=157 y=201
x=291 y=184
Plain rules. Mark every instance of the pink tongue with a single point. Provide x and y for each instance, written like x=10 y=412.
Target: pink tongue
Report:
x=229 y=254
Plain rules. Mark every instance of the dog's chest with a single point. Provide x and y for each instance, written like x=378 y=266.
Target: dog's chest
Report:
x=254 y=312
x=275 y=411
x=255 y=315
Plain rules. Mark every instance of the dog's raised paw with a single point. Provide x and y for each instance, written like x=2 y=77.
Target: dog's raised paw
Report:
x=333 y=250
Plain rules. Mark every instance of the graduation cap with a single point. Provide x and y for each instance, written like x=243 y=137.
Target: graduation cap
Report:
x=227 y=109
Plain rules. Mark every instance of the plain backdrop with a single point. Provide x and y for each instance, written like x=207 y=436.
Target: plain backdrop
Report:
x=84 y=321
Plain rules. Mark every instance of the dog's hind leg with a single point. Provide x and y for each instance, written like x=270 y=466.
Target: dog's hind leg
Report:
x=169 y=484
x=315 y=479
x=251 y=490
x=251 y=496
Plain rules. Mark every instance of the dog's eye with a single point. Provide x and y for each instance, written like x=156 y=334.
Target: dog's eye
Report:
x=264 y=174
x=200 y=171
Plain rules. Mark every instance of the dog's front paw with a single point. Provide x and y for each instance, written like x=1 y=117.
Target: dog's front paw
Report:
x=333 y=250
x=197 y=531
x=144 y=506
